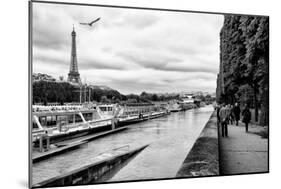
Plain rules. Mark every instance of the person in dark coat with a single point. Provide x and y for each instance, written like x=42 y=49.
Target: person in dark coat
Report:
x=231 y=114
x=246 y=117
x=218 y=113
x=236 y=112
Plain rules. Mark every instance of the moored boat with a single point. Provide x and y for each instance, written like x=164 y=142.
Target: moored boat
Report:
x=59 y=123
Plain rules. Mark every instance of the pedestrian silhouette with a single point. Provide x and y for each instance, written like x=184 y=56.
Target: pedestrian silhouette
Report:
x=224 y=116
x=246 y=117
x=236 y=111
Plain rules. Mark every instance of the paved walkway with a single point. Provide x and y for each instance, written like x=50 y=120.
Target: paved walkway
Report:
x=243 y=152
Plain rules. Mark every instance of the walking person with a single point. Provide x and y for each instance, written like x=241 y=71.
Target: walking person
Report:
x=218 y=107
x=246 y=117
x=224 y=115
x=236 y=112
x=231 y=114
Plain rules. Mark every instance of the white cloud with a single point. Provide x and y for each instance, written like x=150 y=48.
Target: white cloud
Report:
x=129 y=50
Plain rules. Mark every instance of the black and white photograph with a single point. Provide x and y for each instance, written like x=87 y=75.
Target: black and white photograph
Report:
x=122 y=94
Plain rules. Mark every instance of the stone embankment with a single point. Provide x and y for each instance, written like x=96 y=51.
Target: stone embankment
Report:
x=90 y=173
x=203 y=158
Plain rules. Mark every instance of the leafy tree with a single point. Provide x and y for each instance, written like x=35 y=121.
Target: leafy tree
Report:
x=154 y=97
x=104 y=99
x=244 y=62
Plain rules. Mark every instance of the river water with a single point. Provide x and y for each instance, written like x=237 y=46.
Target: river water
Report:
x=170 y=138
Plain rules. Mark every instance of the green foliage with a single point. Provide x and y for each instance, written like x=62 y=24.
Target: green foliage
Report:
x=63 y=92
x=44 y=91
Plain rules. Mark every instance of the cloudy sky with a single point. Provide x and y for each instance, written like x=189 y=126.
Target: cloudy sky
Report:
x=128 y=49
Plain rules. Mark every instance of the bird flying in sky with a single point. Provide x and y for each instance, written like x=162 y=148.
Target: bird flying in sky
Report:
x=91 y=23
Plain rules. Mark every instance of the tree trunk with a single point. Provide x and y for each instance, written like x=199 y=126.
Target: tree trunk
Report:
x=264 y=120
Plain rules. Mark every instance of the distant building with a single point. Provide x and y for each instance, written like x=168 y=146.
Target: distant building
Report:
x=42 y=77
x=101 y=87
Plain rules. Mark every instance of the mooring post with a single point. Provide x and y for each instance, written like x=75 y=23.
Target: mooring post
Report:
x=41 y=143
x=48 y=142
x=113 y=123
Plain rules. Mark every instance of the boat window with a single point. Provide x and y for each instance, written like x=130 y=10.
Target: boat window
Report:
x=34 y=125
x=78 y=119
x=103 y=108
x=88 y=116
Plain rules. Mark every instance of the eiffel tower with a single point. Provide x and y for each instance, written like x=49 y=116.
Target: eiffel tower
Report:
x=73 y=75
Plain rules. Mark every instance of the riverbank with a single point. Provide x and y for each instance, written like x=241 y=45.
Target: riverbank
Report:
x=203 y=158
x=243 y=152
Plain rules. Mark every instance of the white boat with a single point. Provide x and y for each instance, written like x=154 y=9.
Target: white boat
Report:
x=66 y=121
x=174 y=107
x=61 y=122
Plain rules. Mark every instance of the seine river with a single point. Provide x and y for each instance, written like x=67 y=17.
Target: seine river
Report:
x=170 y=138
